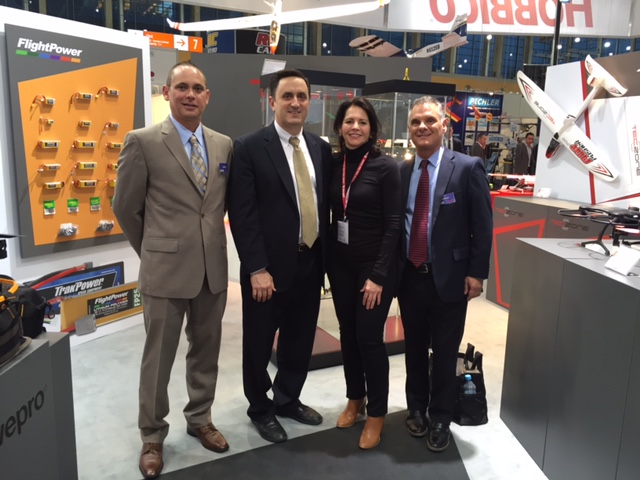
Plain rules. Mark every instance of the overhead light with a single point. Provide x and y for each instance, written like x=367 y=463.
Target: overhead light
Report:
x=606 y=44
x=489 y=37
x=577 y=39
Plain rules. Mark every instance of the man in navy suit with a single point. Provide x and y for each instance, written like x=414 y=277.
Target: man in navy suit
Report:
x=444 y=266
x=281 y=269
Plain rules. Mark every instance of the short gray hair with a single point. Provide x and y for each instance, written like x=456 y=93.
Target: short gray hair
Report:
x=429 y=100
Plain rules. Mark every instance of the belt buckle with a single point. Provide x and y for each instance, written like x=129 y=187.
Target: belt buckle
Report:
x=424 y=268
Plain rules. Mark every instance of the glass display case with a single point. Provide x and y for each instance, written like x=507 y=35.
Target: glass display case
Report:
x=392 y=100
x=328 y=91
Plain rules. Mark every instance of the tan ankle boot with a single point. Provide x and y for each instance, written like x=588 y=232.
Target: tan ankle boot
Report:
x=348 y=417
x=371 y=433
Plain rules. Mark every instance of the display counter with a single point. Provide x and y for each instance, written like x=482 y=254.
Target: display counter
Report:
x=36 y=412
x=569 y=393
x=526 y=217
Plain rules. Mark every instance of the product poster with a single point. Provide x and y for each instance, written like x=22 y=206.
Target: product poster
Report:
x=72 y=102
x=472 y=113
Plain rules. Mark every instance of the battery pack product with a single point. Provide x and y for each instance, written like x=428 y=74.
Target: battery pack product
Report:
x=85 y=183
x=84 y=123
x=82 y=96
x=84 y=144
x=67 y=230
x=46 y=121
x=48 y=143
x=114 y=145
x=105 y=226
x=49 y=167
x=112 y=166
x=43 y=100
x=86 y=165
x=111 y=183
x=111 y=125
x=53 y=185
x=112 y=92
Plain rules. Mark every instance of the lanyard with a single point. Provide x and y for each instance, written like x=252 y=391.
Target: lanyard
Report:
x=345 y=191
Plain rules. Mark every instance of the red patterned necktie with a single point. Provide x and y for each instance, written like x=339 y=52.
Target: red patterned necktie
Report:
x=418 y=244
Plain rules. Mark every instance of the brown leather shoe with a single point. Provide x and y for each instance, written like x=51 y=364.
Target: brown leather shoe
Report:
x=151 y=460
x=210 y=438
x=348 y=417
x=371 y=433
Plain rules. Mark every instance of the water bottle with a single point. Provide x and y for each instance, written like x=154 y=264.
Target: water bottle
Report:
x=469 y=388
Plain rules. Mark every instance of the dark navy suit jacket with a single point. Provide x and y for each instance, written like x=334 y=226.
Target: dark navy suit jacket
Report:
x=462 y=229
x=263 y=212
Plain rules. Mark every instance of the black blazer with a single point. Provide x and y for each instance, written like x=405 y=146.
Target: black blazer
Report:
x=263 y=212
x=462 y=227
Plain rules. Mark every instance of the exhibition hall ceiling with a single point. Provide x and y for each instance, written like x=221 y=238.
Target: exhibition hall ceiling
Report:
x=586 y=18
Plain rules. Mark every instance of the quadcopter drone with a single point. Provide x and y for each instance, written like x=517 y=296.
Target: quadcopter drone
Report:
x=622 y=220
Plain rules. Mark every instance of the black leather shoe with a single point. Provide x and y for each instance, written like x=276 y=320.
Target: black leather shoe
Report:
x=302 y=414
x=270 y=429
x=416 y=423
x=438 y=439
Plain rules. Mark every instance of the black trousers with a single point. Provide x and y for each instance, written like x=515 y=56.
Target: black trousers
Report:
x=295 y=314
x=430 y=322
x=366 y=363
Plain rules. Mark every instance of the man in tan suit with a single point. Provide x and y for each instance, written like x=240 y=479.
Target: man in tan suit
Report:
x=170 y=202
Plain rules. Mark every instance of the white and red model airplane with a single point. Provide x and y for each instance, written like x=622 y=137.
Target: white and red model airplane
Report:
x=277 y=18
x=563 y=126
x=376 y=47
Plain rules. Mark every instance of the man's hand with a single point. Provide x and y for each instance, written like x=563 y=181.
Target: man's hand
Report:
x=262 y=286
x=472 y=287
x=372 y=294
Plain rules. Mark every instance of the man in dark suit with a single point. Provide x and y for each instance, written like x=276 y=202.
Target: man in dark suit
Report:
x=524 y=155
x=170 y=202
x=451 y=141
x=279 y=220
x=445 y=254
x=479 y=147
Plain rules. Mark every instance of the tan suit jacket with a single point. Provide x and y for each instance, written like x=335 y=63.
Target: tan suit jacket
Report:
x=178 y=234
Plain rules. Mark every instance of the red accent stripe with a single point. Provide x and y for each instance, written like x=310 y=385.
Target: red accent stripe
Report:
x=496 y=261
x=254 y=81
x=587 y=128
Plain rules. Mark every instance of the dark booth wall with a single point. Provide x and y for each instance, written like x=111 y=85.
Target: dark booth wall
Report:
x=234 y=81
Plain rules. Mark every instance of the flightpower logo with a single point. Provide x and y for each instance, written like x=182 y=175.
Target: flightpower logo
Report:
x=48 y=50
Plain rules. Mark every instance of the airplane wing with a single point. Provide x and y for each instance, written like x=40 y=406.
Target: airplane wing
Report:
x=292 y=16
x=251 y=21
x=574 y=139
x=596 y=72
x=374 y=46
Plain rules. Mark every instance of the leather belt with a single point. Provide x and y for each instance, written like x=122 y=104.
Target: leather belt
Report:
x=424 y=268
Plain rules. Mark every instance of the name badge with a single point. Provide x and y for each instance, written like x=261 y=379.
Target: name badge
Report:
x=343 y=231
x=223 y=168
x=448 y=198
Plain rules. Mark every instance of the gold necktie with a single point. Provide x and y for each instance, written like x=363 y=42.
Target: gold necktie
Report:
x=197 y=163
x=305 y=195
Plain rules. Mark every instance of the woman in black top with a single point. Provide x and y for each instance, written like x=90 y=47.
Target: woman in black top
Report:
x=364 y=194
